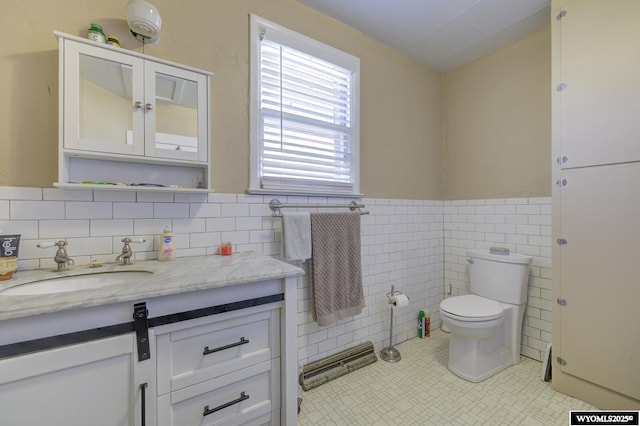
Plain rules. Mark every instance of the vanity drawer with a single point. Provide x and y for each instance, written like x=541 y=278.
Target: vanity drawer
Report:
x=204 y=349
x=247 y=397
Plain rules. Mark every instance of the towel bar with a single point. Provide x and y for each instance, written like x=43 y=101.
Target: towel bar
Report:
x=275 y=205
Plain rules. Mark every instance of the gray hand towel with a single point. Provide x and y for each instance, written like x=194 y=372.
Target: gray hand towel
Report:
x=335 y=269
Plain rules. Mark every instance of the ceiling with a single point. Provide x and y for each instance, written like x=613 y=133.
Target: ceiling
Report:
x=442 y=34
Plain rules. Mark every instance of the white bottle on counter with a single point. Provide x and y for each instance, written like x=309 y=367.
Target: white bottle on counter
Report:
x=166 y=249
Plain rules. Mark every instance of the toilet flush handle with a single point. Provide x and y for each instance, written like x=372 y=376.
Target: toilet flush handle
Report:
x=470 y=260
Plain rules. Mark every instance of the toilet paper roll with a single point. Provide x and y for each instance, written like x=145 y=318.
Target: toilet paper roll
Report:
x=399 y=301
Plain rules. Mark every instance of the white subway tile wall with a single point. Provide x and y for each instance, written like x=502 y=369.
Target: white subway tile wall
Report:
x=417 y=246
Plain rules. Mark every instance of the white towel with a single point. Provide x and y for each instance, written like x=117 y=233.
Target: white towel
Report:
x=296 y=236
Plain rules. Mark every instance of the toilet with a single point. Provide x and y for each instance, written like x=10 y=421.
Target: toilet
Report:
x=486 y=326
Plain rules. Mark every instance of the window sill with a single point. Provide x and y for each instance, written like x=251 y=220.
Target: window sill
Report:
x=285 y=192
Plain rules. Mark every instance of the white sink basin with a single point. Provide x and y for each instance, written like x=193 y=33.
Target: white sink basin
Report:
x=74 y=282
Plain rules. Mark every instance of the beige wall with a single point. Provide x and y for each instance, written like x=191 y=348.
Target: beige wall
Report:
x=497 y=123
x=401 y=119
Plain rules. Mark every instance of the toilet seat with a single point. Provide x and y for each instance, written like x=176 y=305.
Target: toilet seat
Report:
x=471 y=308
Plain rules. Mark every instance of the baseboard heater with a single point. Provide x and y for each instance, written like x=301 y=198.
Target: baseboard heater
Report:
x=336 y=365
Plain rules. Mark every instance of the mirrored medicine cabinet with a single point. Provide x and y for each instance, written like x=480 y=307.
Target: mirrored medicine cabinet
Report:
x=130 y=121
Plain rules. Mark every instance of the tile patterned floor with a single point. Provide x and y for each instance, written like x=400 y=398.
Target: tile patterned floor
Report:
x=419 y=390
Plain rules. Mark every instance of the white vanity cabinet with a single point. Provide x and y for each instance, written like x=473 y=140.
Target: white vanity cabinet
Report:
x=214 y=339
x=130 y=119
x=223 y=369
x=95 y=383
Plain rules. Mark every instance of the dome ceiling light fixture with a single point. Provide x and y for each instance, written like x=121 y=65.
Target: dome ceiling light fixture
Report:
x=144 y=21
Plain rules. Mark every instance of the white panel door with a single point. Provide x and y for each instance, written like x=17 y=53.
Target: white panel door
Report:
x=600 y=339
x=600 y=65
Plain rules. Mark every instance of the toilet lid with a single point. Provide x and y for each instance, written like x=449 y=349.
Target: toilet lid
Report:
x=472 y=307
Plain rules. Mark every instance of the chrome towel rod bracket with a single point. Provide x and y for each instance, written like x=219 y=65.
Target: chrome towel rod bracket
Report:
x=275 y=205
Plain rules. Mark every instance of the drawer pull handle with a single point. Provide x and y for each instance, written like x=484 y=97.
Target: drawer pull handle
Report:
x=208 y=411
x=208 y=351
x=143 y=404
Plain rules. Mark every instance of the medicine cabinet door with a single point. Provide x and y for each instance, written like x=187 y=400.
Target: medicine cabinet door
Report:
x=176 y=112
x=103 y=100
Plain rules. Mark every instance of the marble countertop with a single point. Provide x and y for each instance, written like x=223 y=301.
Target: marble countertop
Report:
x=167 y=277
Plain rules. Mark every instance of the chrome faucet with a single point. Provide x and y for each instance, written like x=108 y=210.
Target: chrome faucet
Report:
x=61 y=257
x=127 y=253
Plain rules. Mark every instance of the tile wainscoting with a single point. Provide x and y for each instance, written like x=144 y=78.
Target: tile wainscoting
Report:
x=418 y=246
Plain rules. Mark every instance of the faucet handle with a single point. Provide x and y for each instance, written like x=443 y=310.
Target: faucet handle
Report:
x=61 y=257
x=128 y=240
x=127 y=253
x=47 y=244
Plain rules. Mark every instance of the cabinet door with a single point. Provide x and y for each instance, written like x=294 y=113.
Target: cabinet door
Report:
x=176 y=113
x=103 y=100
x=600 y=342
x=94 y=383
x=600 y=65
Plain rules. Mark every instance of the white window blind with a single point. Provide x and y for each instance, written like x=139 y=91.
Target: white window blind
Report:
x=307 y=134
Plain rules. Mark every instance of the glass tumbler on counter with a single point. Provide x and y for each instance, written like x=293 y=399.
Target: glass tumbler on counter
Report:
x=225 y=249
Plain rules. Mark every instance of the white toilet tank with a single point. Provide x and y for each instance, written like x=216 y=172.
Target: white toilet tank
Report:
x=501 y=277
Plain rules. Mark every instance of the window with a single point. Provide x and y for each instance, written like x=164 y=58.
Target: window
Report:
x=304 y=114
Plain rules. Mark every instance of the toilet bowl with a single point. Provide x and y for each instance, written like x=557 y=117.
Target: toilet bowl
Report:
x=472 y=315
x=485 y=326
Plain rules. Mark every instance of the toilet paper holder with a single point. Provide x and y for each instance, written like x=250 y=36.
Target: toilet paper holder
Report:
x=391 y=297
x=391 y=354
